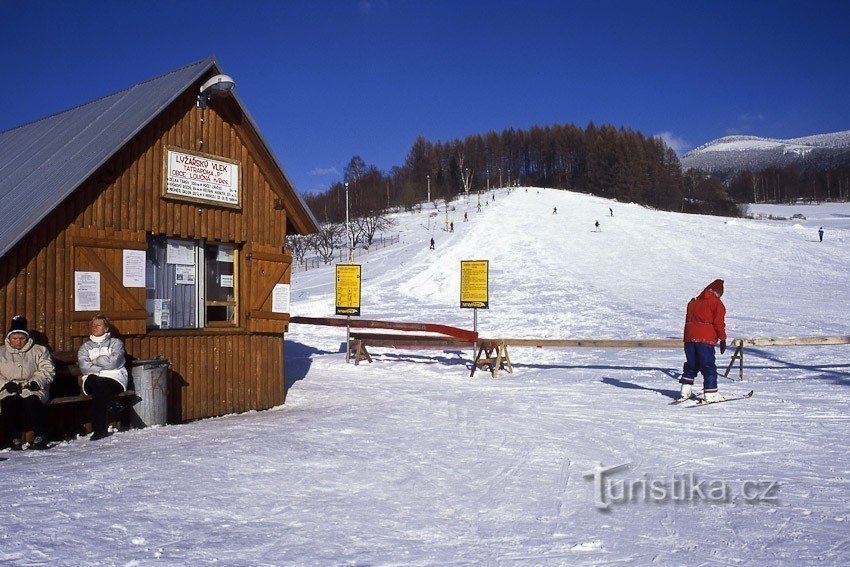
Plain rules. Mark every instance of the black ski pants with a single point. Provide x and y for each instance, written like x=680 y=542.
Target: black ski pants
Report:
x=102 y=390
x=14 y=411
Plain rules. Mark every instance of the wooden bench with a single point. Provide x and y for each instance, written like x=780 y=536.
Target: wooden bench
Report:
x=68 y=412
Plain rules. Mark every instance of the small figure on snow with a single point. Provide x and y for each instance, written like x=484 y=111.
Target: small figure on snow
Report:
x=820 y=233
x=597 y=226
x=610 y=210
x=555 y=211
x=452 y=226
x=465 y=217
x=705 y=325
x=432 y=243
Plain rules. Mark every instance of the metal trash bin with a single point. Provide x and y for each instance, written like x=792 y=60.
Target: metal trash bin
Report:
x=150 y=381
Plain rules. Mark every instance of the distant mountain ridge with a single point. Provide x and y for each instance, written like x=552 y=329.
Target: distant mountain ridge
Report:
x=730 y=155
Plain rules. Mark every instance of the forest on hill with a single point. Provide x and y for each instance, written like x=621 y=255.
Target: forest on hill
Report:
x=790 y=183
x=602 y=160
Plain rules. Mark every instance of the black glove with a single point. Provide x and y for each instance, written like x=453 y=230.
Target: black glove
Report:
x=33 y=386
x=12 y=387
x=722 y=346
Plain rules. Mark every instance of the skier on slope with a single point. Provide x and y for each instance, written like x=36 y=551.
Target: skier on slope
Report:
x=705 y=324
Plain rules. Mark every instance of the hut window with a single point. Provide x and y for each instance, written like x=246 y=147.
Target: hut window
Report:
x=172 y=283
x=191 y=284
x=221 y=293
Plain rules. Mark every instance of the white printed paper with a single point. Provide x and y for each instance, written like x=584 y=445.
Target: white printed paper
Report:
x=225 y=253
x=280 y=298
x=86 y=291
x=134 y=268
x=178 y=252
x=185 y=275
x=226 y=280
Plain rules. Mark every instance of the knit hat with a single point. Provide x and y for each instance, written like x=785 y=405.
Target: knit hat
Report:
x=717 y=287
x=19 y=325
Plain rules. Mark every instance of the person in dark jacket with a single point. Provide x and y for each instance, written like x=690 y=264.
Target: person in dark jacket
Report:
x=26 y=372
x=101 y=360
x=705 y=325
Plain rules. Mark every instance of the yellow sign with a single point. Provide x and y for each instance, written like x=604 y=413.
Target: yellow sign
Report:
x=474 y=284
x=348 y=289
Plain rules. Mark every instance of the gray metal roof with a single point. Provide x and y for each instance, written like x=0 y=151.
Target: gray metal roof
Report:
x=43 y=162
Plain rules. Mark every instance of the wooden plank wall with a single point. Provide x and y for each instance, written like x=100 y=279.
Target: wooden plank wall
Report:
x=125 y=195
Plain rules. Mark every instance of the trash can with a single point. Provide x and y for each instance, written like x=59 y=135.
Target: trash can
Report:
x=150 y=381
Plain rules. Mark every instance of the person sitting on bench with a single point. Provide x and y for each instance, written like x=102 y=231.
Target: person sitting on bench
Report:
x=26 y=372
x=101 y=360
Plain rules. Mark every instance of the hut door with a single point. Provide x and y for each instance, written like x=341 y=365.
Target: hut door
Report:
x=267 y=268
x=102 y=253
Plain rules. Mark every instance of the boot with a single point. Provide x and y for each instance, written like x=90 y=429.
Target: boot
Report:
x=712 y=397
x=686 y=391
x=40 y=442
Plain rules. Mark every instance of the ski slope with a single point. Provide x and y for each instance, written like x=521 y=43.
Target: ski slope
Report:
x=408 y=461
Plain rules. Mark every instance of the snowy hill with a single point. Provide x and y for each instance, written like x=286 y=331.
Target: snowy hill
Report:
x=732 y=154
x=408 y=461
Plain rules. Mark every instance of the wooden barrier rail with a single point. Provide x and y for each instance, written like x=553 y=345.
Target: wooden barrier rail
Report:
x=785 y=341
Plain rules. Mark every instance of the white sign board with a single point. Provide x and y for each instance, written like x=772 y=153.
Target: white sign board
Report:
x=179 y=252
x=280 y=298
x=86 y=291
x=134 y=268
x=202 y=178
x=184 y=275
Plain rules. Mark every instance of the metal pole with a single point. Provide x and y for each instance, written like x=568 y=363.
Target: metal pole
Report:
x=488 y=180
x=475 y=327
x=429 y=188
x=347 y=338
x=347 y=231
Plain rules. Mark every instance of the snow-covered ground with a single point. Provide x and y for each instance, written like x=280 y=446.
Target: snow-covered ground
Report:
x=408 y=461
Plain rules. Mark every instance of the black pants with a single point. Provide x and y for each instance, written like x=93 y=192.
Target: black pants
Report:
x=102 y=390
x=14 y=411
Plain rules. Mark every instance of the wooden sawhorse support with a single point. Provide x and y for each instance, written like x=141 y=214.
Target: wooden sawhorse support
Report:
x=739 y=356
x=358 y=350
x=485 y=357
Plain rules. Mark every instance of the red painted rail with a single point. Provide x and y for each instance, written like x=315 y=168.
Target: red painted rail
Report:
x=455 y=332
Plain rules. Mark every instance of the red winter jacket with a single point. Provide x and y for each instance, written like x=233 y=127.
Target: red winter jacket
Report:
x=705 y=321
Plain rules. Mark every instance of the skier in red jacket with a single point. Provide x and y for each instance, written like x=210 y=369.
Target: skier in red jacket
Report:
x=705 y=324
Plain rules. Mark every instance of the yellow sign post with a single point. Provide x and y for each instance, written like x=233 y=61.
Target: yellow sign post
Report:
x=348 y=289
x=348 y=298
x=474 y=284
x=475 y=289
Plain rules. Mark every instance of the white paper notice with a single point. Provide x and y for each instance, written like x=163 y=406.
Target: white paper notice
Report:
x=225 y=253
x=280 y=298
x=134 y=268
x=185 y=275
x=226 y=281
x=179 y=252
x=86 y=291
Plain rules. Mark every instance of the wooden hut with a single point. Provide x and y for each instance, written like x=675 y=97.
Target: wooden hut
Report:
x=168 y=215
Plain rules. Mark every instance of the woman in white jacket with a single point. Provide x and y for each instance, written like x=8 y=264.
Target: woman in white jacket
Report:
x=101 y=360
x=26 y=372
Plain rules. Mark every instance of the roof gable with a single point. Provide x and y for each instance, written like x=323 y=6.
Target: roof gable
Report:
x=43 y=162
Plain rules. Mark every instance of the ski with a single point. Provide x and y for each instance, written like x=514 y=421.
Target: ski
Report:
x=694 y=396
x=703 y=403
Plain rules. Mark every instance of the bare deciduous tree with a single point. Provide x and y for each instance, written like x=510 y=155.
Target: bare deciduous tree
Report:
x=372 y=222
x=327 y=240
x=299 y=245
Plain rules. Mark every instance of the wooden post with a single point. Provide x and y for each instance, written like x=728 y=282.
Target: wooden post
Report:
x=738 y=355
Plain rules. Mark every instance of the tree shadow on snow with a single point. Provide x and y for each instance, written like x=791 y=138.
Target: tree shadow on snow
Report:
x=298 y=358
x=674 y=394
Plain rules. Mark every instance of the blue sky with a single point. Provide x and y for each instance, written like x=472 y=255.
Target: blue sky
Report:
x=328 y=80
